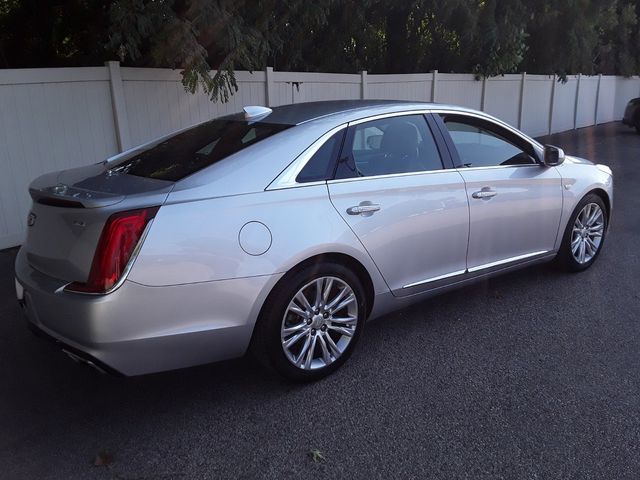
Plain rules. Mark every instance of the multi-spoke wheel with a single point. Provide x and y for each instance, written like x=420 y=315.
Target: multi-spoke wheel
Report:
x=312 y=321
x=584 y=235
x=319 y=323
x=587 y=232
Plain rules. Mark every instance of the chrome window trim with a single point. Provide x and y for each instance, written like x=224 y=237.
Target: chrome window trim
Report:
x=498 y=167
x=287 y=178
x=506 y=260
x=380 y=116
x=392 y=175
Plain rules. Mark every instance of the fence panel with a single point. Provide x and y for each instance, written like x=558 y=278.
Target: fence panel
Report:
x=607 y=99
x=459 y=89
x=502 y=97
x=586 y=108
x=536 y=104
x=158 y=94
x=414 y=86
x=564 y=103
x=312 y=87
x=50 y=119
x=53 y=119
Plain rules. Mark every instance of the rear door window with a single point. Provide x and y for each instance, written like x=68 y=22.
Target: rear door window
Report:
x=197 y=148
x=391 y=145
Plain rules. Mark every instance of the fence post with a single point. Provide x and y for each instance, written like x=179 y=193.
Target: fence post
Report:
x=521 y=107
x=434 y=83
x=483 y=98
x=118 y=106
x=554 y=80
x=575 y=109
x=364 y=86
x=268 y=86
x=595 y=115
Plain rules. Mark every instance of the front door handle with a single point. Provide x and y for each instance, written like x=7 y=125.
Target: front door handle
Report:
x=364 y=209
x=484 y=194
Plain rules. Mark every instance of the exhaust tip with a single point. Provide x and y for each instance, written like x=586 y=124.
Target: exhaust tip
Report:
x=83 y=361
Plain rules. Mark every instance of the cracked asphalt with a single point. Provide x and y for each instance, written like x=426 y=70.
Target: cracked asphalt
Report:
x=533 y=375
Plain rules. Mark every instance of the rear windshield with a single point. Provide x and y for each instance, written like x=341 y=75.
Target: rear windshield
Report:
x=196 y=148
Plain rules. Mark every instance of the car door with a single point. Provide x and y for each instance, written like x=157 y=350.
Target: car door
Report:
x=515 y=202
x=409 y=212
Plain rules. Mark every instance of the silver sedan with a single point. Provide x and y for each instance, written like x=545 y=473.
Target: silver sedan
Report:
x=282 y=231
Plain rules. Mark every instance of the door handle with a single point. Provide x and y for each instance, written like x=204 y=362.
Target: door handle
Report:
x=484 y=194
x=364 y=208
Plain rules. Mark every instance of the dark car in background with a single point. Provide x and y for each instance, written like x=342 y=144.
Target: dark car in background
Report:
x=632 y=114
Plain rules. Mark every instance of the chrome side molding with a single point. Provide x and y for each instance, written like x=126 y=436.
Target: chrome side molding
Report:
x=478 y=268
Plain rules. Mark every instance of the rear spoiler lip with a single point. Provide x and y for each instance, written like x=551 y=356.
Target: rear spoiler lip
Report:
x=72 y=197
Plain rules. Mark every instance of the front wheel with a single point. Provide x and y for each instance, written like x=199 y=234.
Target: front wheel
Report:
x=311 y=323
x=584 y=235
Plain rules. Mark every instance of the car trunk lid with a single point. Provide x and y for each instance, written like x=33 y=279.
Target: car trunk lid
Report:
x=70 y=209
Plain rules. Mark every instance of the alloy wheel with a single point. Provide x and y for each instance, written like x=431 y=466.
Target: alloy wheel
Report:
x=586 y=236
x=319 y=323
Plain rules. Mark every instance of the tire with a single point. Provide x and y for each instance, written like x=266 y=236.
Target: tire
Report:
x=330 y=343
x=577 y=248
x=638 y=128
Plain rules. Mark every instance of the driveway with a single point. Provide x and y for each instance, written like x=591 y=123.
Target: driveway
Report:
x=532 y=375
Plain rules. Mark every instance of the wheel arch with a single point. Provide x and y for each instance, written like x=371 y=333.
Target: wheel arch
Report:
x=605 y=198
x=342 y=258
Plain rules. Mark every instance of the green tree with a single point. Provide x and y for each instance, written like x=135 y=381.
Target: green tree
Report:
x=619 y=49
x=211 y=39
x=53 y=33
x=199 y=36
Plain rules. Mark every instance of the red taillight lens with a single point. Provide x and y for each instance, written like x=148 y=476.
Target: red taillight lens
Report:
x=119 y=238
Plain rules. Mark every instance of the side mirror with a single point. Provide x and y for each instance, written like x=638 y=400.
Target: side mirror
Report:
x=553 y=156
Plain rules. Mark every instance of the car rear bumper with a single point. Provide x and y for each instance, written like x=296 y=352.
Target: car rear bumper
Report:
x=139 y=329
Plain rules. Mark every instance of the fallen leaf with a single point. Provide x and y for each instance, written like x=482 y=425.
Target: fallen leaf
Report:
x=316 y=455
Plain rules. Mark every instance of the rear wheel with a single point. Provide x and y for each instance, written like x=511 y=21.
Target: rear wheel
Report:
x=311 y=323
x=584 y=235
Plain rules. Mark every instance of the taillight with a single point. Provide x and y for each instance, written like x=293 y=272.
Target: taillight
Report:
x=120 y=236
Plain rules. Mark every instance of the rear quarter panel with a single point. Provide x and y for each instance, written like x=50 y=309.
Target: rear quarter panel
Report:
x=198 y=241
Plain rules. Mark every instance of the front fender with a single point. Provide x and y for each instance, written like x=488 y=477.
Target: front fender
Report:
x=578 y=179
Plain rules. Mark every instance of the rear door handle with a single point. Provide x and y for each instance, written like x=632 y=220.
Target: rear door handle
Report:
x=364 y=209
x=484 y=194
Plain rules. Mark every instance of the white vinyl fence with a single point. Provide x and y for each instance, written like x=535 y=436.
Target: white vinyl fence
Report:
x=53 y=119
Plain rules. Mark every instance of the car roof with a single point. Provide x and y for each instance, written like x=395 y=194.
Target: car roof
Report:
x=297 y=113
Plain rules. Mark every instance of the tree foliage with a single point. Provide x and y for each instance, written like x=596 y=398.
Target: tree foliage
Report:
x=210 y=39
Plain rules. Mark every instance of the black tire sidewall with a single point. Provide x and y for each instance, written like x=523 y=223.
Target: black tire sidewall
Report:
x=565 y=255
x=270 y=321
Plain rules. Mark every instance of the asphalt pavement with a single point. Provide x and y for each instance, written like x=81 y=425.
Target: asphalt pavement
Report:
x=533 y=375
